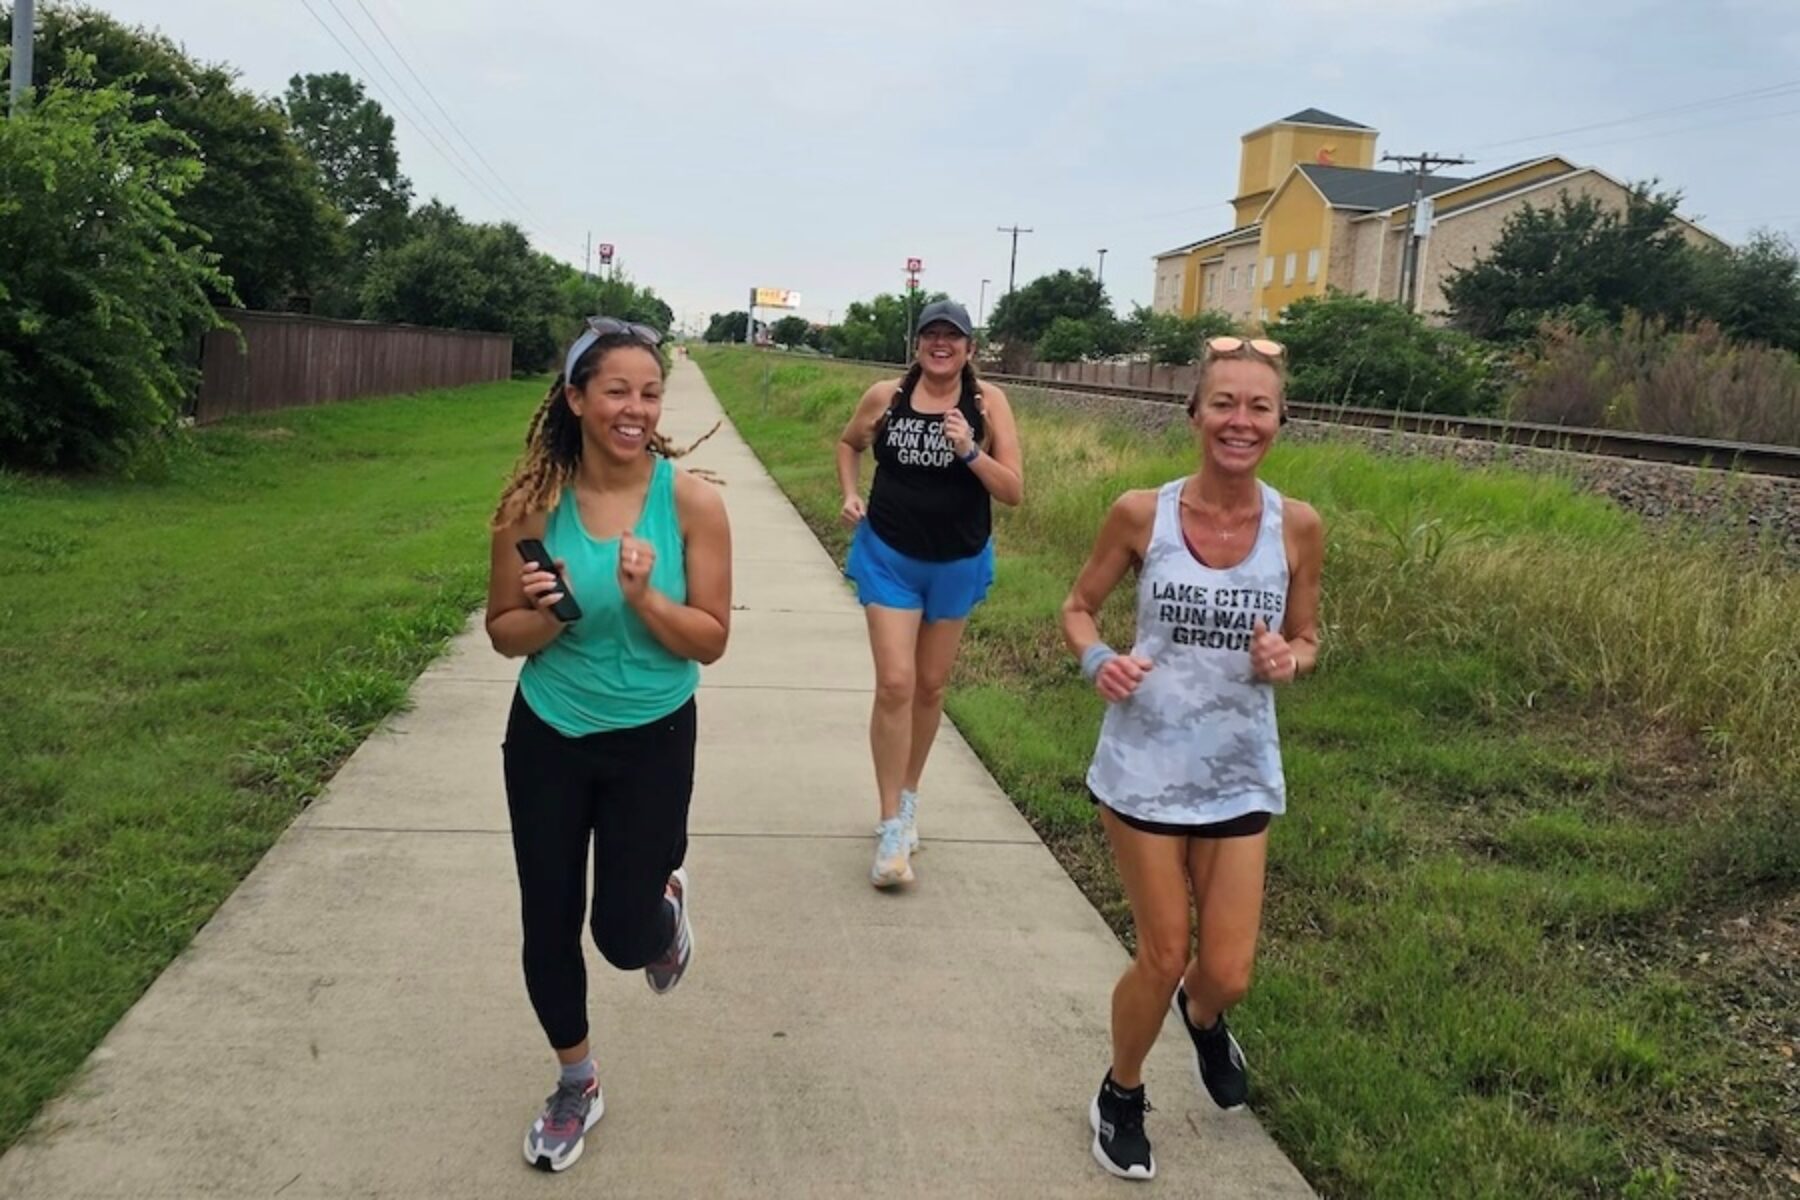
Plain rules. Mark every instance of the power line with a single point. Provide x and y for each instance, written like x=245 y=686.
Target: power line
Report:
x=443 y=143
x=401 y=113
x=1762 y=93
x=1643 y=137
x=432 y=96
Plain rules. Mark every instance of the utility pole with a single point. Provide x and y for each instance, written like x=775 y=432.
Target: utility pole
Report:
x=587 y=255
x=23 y=26
x=913 y=267
x=1012 y=269
x=1409 y=263
x=981 y=305
x=1100 y=275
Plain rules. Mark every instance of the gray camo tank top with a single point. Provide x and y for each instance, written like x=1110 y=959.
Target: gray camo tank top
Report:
x=1196 y=743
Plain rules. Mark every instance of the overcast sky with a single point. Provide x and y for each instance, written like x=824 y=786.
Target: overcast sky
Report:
x=814 y=146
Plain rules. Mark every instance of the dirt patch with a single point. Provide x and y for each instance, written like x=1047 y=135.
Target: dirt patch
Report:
x=1741 y=1136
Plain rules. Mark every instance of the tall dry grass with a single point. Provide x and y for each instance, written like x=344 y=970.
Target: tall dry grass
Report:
x=1643 y=375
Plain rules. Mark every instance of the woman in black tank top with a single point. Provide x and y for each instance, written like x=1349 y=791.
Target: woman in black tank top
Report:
x=945 y=447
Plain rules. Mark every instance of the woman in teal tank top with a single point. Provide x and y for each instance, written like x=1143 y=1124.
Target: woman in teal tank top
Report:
x=600 y=745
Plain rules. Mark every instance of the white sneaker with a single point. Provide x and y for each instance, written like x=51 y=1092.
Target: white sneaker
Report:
x=909 y=816
x=893 y=858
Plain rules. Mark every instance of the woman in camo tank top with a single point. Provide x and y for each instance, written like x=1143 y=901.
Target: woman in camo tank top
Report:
x=1187 y=773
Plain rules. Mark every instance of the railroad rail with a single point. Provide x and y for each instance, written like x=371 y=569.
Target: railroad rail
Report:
x=1751 y=458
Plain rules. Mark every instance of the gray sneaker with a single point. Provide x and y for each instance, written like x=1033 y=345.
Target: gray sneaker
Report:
x=553 y=1143
x=667 y=971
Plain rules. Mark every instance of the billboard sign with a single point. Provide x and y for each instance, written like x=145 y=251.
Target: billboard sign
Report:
x=915 y=265
x=776 y=298
x=606 y=253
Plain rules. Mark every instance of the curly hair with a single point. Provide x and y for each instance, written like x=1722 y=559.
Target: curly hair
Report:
x=552 y=455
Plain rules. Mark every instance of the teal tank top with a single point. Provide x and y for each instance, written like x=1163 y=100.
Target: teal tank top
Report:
x=607 y=670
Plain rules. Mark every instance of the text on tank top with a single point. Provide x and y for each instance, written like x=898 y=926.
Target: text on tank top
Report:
x=924 y=502
x=1197 y=741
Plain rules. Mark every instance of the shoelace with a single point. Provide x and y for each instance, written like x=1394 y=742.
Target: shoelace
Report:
x=565 y=1105
x=892 y=838
x=1130 y=1114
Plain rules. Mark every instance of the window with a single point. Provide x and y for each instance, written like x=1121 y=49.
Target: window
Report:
x=1212 y=285
x=1268 y=270
x=1288 y=272
x=1312 y=266
x=1233 y=284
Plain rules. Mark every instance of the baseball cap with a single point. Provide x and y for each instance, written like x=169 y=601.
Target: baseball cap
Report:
x=950 y=312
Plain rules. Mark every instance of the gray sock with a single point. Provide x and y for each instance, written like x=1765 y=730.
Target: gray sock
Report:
x=578 y=1072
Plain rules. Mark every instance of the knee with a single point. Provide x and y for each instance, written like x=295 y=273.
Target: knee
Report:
x=1162 y=956
x=1226 y=979
x=629 y=946
x=929 y=692
x=895 y=689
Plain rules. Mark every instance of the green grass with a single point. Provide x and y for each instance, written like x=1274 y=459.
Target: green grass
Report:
x=187 y=659
x=1547 y=755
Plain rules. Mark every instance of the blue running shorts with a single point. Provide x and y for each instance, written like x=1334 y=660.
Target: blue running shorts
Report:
x=947 y=591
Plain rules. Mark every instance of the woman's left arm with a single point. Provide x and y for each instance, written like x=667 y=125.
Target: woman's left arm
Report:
x=1001 y=466
x=699 y=628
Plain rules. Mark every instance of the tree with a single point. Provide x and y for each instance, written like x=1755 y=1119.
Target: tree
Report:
x=613 y=296
x=1175 y=340
x=876 y=329
x=351 y=141
x=461 y=276
x=1753 y=291
x=1027 y=314
x=102 y=286
x=258 y=200
x=790 y=331
x=1580 y=254
x=1366 y=353
x=729 y=327
x=1067 y=340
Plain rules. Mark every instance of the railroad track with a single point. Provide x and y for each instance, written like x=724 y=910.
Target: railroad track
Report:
x=1749 y=457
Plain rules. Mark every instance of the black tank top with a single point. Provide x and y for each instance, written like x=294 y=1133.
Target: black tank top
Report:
x=924 y=502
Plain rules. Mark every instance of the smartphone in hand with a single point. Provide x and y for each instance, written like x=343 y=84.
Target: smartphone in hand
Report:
x=565 y=610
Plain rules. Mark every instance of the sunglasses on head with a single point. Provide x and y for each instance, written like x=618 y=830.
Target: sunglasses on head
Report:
x=1217 y=347
x=606 y=326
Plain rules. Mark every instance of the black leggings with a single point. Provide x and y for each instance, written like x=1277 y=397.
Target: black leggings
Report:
x=625 y=790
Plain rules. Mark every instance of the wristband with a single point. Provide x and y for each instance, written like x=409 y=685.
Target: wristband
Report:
x=973 y=454
x=1095 y=657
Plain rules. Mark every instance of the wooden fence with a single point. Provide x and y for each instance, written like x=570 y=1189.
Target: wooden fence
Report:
x=287 y=359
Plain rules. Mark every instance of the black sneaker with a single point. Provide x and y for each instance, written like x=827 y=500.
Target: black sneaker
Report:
x=1120 y=1145
x=1219 y=1063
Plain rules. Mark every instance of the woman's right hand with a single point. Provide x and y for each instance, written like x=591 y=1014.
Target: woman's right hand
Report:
x=853 y=511
x=1120 y=675
x=541 y=590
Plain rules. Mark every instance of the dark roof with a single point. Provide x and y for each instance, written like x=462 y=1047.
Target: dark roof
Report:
x=1240 y=231
x=1314 y=116
x=1371 y=191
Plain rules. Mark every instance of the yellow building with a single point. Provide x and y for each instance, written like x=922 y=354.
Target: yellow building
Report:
x=1313 y=212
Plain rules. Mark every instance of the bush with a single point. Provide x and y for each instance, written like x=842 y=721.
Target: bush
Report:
x=455 y=275
x=1067 y=340
x=1348 y=350
x=1174 y=340
x=103 y=289
x=1640 y=375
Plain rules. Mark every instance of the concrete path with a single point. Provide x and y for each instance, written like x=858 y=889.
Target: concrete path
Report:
x=353 y=1021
